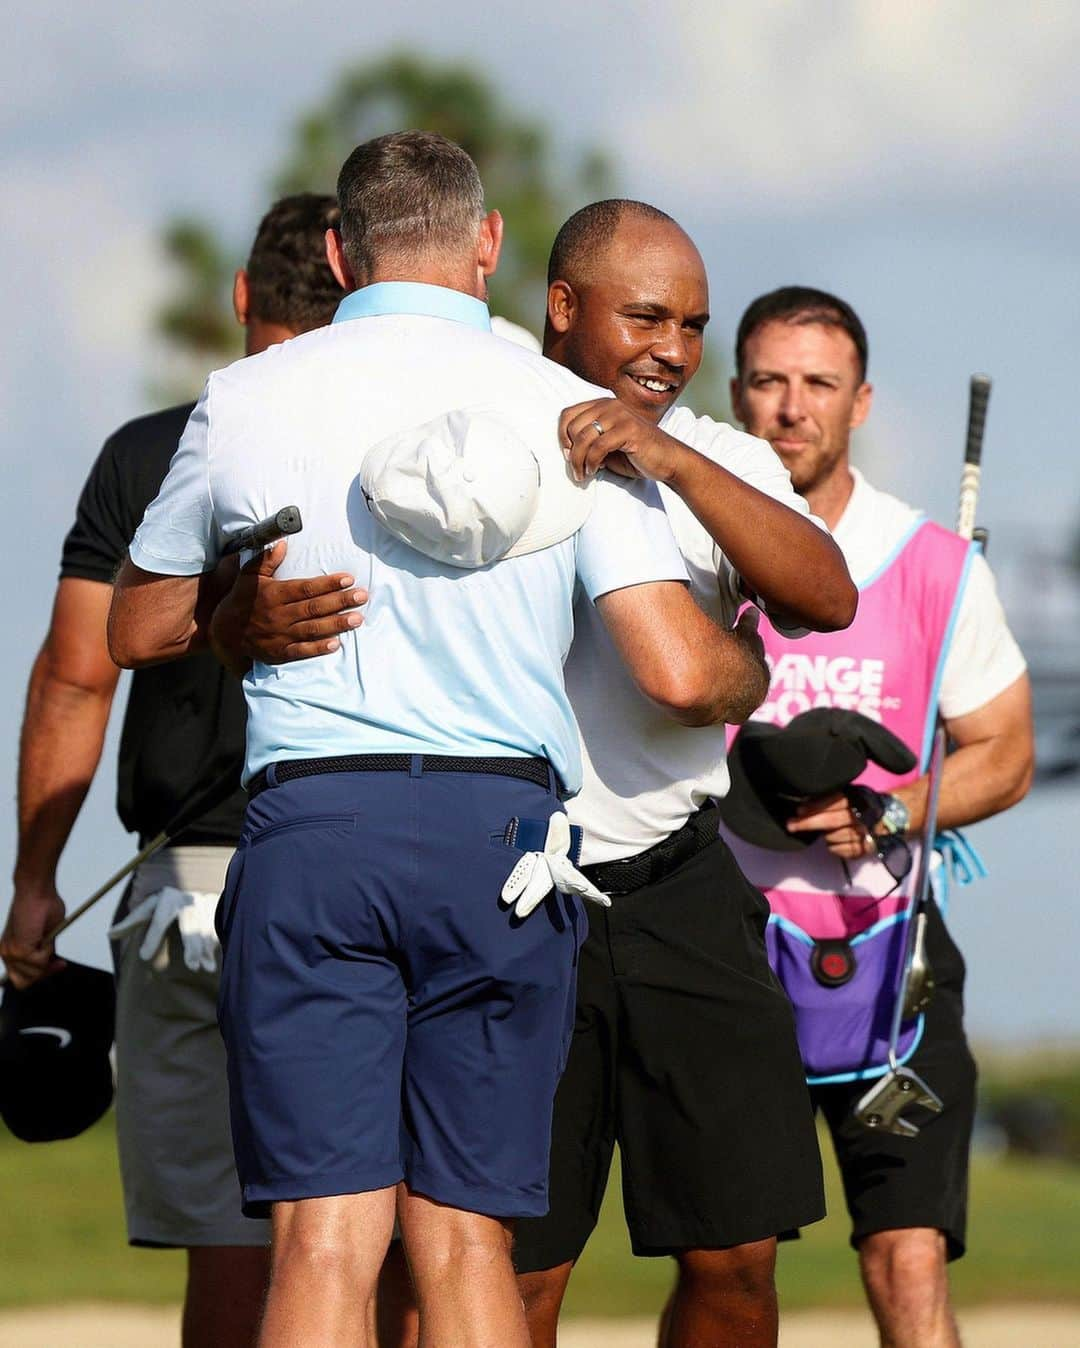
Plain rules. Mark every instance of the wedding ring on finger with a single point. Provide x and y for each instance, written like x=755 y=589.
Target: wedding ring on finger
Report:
x=597 y=427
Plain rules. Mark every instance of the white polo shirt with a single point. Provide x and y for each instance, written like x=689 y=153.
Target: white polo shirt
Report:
x=644 y=773
x=464 y=663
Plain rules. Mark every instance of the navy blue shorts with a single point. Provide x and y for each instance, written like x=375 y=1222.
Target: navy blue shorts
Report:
x=385 y=1016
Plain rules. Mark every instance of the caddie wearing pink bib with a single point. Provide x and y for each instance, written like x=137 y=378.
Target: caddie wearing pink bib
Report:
x=929 y=639
x=837 y=933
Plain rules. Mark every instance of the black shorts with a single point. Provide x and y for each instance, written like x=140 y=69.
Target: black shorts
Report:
x=895 y=1182
x=684 y=1053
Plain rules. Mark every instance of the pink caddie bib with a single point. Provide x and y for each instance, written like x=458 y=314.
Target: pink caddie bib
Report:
x=888 y=666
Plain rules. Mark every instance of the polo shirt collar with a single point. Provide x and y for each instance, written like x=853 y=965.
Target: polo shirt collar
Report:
x=413 y=297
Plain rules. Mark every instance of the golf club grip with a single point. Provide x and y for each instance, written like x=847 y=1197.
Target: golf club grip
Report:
x=279 y=525
x=978 y=402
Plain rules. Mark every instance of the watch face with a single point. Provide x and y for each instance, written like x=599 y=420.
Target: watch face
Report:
x=896 y=815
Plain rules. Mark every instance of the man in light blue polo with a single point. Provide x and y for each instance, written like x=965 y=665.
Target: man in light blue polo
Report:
x=387 y=1018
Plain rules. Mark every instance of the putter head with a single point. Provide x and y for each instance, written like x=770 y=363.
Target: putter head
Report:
x=883 y=1106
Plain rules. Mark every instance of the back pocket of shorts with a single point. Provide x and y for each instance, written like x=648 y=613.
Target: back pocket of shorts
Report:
x=341 y=821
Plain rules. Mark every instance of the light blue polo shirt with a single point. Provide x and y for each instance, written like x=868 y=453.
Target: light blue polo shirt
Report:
x=464 y=663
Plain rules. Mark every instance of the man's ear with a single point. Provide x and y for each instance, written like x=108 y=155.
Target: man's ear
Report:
x=562 y=305
x=339 y=263
x=735 y=389
x=241 y=297
x=489 y=243
x=860 y=409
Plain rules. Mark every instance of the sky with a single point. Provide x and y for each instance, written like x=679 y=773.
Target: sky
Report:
x=923 y=161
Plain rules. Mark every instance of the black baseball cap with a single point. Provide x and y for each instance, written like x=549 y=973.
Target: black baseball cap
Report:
x=56 y=1077
x=774 y=768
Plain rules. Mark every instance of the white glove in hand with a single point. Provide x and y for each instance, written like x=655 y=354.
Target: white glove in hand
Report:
x=538 y=873
x=192 y=911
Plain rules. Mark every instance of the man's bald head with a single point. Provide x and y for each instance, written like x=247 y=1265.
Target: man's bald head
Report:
x=628 y=301
x=585 y=237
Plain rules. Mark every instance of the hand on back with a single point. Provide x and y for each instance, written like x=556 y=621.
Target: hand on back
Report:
x=279 y=621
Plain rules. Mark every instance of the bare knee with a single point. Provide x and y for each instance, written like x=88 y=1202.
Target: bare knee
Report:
x=305 y=1251
x=443 y=1240
x=542 y=1295
x=909 y=1261
x=543 y=1291
x=741 y=1270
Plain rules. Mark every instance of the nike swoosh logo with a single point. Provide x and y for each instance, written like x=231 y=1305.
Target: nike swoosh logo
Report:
x=64 y=1036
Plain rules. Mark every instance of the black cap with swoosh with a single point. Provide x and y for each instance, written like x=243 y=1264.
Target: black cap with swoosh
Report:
x=56 y=1077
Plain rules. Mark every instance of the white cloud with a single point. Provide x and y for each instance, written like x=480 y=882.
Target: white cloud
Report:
x=800 y=104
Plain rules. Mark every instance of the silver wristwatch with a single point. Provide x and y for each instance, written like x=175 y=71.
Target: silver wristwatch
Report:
x=896 y=816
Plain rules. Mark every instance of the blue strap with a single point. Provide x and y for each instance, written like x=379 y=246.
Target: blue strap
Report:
x=961 y=864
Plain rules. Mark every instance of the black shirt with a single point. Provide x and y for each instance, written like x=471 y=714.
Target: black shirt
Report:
x=184 y=724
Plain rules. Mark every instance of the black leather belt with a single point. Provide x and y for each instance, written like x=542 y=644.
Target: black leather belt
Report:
x=535 y=770
x=623 y=877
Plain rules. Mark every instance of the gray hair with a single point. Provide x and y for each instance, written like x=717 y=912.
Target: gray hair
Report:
x=407 y=195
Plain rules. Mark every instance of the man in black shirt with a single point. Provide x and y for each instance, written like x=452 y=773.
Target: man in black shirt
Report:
x=183 y=729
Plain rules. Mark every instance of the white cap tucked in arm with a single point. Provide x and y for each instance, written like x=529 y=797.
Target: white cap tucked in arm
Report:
x=178 y=535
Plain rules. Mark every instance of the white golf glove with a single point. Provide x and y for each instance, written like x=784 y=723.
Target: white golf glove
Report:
x=538 y=873
x=193 y=913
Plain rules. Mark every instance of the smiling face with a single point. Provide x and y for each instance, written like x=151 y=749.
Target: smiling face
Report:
x=635 y=322
x=801 y=389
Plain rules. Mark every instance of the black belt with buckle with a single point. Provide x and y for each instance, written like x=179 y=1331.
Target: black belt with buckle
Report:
x=623 y=877
x=535 y=770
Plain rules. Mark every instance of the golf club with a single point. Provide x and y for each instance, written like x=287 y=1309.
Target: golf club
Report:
x=883 y=1106
x=279 y=525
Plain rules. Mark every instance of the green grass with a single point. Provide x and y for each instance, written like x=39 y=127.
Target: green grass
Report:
x=63 y=1239
x=1023 y=1245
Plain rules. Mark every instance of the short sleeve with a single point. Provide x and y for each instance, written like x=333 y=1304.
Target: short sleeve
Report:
x=178 y=535
x=983 y=659
x=627 y=539
x=97 y=541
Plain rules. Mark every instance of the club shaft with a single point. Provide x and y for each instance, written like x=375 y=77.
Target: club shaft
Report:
x=154 y=845
x=921 y=890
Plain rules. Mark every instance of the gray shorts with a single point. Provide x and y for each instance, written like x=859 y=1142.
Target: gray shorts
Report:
x=172 y=1109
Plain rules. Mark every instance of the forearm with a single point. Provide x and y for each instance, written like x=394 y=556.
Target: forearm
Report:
x=734 y=684
x=978 y=780
x=155 y=618
x=794 y=566
x=990 y=767
x=717 y=675
x=62 y=737
x=696 y=671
